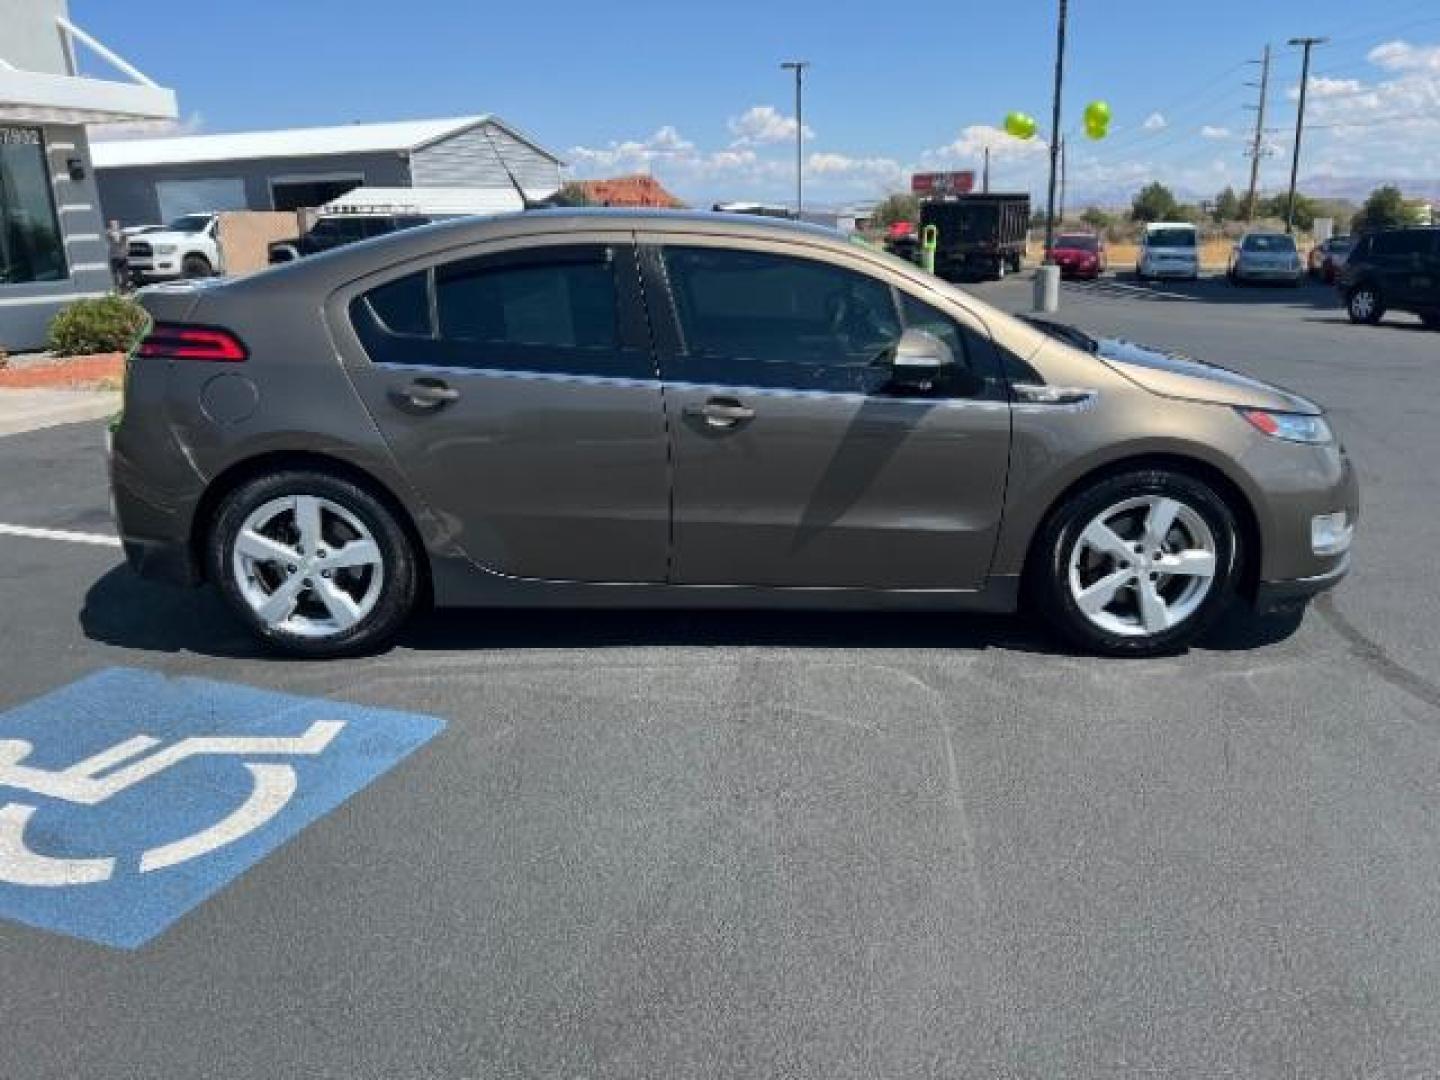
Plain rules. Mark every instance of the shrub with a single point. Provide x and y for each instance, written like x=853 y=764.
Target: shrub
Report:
x=109 y=324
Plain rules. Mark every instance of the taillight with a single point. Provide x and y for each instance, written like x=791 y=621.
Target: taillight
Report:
x=172 y=341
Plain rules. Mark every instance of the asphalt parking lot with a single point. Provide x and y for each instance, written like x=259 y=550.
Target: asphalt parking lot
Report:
x=699 y=844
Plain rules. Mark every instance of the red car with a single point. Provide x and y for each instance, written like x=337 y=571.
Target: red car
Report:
x=1327 y=258
x=1080 y=255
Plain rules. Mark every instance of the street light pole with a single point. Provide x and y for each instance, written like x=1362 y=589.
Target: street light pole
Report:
x=799 y=66
x=1308 y=43
x=1055 y=130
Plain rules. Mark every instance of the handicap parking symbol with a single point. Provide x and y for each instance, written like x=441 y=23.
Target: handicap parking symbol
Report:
x=127 y=798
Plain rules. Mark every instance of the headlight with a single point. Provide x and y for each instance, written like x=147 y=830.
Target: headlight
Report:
x=1292 y=427
x=165 y=249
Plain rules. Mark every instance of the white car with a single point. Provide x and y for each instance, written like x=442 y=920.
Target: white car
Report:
x=1266 y=256
x=1169 y=249
x=188 y=247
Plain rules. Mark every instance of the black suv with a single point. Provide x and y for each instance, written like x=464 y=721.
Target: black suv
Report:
x=339 y=230
x=1394 y=270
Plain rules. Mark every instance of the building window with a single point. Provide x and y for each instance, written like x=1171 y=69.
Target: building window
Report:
x=31 y=246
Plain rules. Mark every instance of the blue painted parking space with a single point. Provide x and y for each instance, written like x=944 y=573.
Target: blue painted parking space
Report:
x=127 y=798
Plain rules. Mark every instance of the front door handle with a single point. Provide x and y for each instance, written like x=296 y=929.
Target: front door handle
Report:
x=721 y=412
x=427 y=393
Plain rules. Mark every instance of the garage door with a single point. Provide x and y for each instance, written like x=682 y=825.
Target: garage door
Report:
x=180 y=197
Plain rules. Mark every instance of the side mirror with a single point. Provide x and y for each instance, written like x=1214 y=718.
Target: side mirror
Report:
x=919 y=360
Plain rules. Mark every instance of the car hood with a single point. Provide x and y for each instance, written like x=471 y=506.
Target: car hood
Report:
x=1173 y=375
x=164 y=236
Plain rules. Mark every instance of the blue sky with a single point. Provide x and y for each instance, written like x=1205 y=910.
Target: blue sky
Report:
x=693 y=92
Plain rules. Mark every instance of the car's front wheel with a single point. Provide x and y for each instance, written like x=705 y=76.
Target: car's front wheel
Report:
x=313 y=563
x=1139 y=564
x=1364 y=305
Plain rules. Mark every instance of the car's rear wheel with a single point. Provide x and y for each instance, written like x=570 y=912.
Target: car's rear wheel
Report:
x=1364 y=305
x=314 y=564
x=1139 y=564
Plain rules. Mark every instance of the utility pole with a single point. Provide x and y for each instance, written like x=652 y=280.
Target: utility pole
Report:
x=1307 y=43
x=799 y=66
x=985 y=176
x=1055 y=131
x=1257 y=148
x=1061 y=212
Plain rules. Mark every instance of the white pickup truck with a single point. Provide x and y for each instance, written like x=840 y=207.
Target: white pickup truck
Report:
x=188 y=247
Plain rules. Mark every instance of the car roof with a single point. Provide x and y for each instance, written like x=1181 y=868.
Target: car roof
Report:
x=1152 y=225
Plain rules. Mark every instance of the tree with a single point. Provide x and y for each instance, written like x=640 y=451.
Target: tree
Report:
x=571 y=194
x=896 y=208
x=1155 y=202
x=1384 y=209
x=1227 y=207
x=1097 y=219
x=1277 y=206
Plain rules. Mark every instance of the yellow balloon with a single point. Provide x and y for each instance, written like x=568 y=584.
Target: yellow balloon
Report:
x=1096 y=131
x=1097 y=113
x=1019 y=125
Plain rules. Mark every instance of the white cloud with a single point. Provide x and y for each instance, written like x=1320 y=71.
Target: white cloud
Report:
x=634 y=154
x=1403 y=56
x=973 y=141
x=1211 y=131
x=761 y=125
x=1323 y=87
x=1154 y=122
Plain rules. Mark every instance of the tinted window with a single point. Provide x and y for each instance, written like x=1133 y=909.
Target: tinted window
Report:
x=968 y=379
x=1082 y=242
x=1170 y=238
x=31 y=246
x=568 y=303
x=1271 y=243
x=1403 y=243
x=403 y=306
x=753 y=318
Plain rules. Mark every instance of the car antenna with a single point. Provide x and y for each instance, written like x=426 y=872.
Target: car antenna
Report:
x=526 y=202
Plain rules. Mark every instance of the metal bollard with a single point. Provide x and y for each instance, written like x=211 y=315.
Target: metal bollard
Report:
x=1047 y=289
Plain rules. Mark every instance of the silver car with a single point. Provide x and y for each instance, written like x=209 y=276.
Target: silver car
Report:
x=1266 y=256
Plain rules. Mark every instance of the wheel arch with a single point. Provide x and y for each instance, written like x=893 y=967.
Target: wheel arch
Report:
x=271 y=461
x=1234 y=496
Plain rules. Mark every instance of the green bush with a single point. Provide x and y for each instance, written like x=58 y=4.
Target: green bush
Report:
x=109 y=324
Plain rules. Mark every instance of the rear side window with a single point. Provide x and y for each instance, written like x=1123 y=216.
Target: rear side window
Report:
x=568 y=303
x=403 y=306
x=1403 y=243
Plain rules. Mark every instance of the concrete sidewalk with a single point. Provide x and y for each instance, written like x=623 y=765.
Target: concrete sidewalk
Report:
x=29 y=410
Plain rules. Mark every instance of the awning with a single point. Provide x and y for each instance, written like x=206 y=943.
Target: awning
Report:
x=47 y=98
x=69 y=99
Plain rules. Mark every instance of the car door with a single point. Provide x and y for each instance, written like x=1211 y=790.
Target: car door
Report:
x=1399 y=257
x=795 y=461
x=517 y=389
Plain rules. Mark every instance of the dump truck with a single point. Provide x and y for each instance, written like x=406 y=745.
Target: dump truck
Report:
x=976 y=236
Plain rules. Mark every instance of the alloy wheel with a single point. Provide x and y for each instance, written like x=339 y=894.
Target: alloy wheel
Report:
x=308 y=566
x=1142 y=566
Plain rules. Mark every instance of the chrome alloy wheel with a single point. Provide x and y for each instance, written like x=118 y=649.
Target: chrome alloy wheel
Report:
x=1362 y=304
x=1143 y=566
x=307 y=566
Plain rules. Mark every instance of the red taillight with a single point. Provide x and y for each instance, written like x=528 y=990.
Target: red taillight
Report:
x=174 y=342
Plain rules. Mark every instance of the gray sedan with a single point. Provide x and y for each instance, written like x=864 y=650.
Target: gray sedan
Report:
x=1266 y=256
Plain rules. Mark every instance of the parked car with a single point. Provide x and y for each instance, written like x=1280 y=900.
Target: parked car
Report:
x=337 y=230
x=1265 y=256
x=477 y=413
x=1328 y=256
x=1395 y=270
x=188 y=247
x=1080 y=255
x=1168 y=249
x=978 y=235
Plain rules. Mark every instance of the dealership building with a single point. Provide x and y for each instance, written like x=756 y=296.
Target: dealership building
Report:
x=52 y=238
x=145 y=181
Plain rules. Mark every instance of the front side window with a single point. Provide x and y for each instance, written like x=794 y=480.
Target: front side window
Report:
x=759 y=319
x=1403 y=242
x=31 y=245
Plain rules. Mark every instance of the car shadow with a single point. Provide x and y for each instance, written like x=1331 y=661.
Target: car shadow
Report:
x=124 y=610
x=1217 y=290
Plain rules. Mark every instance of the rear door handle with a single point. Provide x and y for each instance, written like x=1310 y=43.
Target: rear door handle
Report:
x=427 y=393
x=721 y=412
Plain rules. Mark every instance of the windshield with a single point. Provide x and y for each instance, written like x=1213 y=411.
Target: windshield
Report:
x=189 y=223
x=1270 y=242
x=1171 y=238
x=1078 y=242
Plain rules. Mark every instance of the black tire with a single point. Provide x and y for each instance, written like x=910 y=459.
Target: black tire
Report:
x=1367 y=315
x=400 y=582
x=195 y=266
x=1048 y=576
x=1430 y=320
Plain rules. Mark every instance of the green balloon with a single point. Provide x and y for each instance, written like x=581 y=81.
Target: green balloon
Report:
x=1098 y=114
x=1020 y=125
x=1096 y=131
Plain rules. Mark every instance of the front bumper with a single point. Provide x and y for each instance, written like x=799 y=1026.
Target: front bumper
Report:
x=1281 y=595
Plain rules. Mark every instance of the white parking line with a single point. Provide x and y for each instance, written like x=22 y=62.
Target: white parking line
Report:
x=101 y=539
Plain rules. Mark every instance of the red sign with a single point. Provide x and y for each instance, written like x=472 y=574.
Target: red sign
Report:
x=942 y=183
